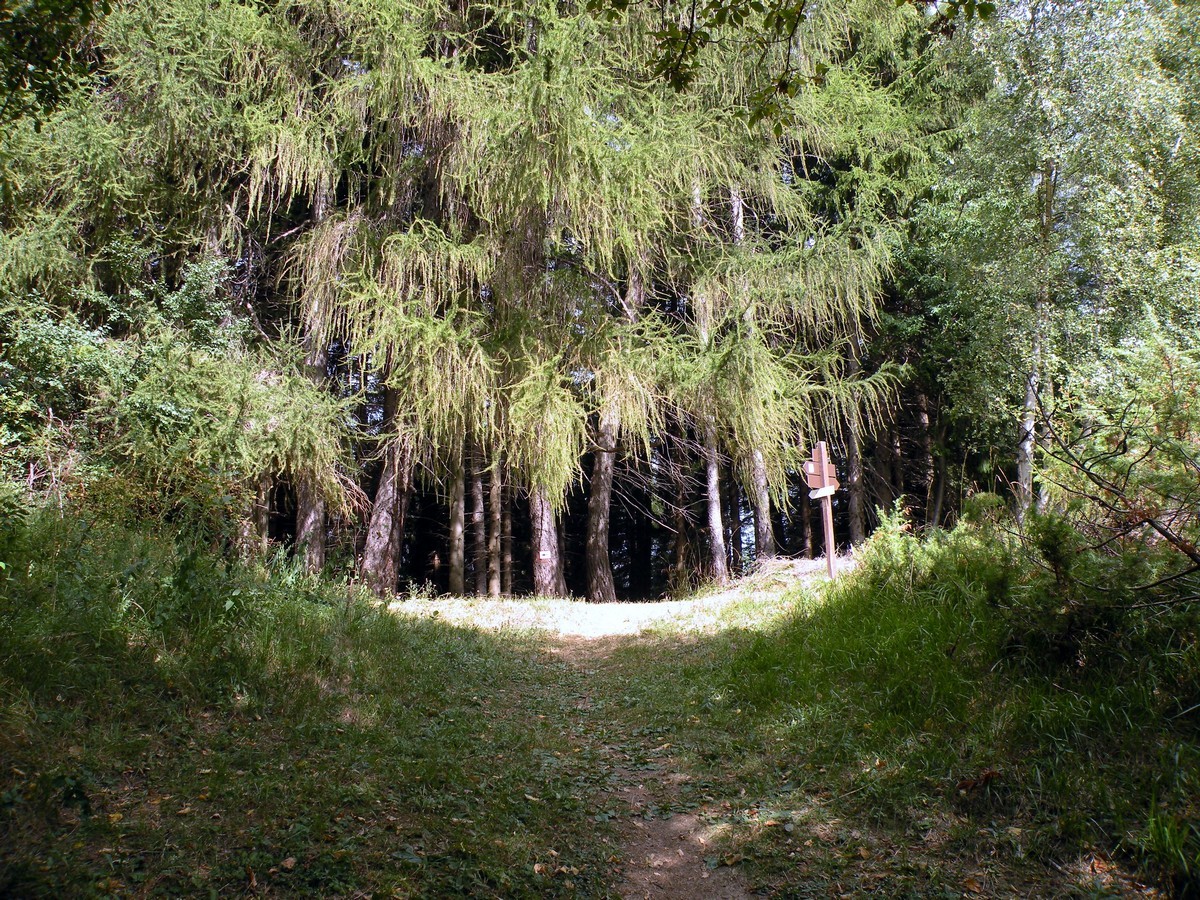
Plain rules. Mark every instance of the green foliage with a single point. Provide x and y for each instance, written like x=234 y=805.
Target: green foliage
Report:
x=154 y=696
x=897 y=701
x=37 y=65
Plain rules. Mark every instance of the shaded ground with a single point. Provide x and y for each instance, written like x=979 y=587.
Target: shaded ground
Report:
x=689 y=831
x=496 y=749
x=668 y=848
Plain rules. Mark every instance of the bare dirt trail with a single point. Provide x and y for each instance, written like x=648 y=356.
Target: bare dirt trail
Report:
x=665 y=850
x=662 y=853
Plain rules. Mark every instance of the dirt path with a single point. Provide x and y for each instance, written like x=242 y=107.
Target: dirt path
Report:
x=678 y=823
x=664 y=852
x=665 y=849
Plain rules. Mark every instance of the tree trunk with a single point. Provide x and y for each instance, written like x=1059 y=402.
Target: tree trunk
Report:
x=855 y=506
x=478 y=526
x=764 y=535
x=1027 y=438
x=882 y=471
x=764 y=539
x=806 y=529
x=495 y=495
x=458 y=549
x=678 y=578
x=600 y=586
x=310 y=524
x=547 y=576
x=506 y=535
x=733 y=518
x=642 y=568
x=896 y=459
x=925 y=438
x=385 y=528
x=716 y=525
x=310 y=504
x=939 y=494
x=782 y=532
x=260 y=515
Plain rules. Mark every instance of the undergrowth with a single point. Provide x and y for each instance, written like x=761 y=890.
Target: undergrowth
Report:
x=172 y=724
x=947 y=698
x=955 y=715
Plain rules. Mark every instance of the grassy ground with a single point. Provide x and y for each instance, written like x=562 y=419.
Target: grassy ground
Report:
x=171 y=726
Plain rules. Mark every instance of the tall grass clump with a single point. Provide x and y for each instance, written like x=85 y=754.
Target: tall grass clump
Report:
x=177 y=722
x=965 y=669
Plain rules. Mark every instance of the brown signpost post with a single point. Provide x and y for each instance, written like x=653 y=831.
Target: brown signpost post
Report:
x=822 y=479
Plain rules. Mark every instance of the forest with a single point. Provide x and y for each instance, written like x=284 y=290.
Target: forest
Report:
x=333 y=333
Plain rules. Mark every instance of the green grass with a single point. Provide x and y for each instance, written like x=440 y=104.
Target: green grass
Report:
x=904 y=707
x=157 y=740
x=174 y=725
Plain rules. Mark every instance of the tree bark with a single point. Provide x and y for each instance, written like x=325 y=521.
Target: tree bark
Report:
x=547 y=571
x=478 y=526
x=1027 y=437
x=733 y=519
x=806 y=529
x=764 y=535
x=385 y=528
x=310 y=504
x=677 y=573
x=642 y=563
x=458 y=549
x=782 y=531
x=855 y=506
x=896 y=451
x=600 y=587
x=939 y=494
x=716 y=525
x=506 y=535
x=262 y=512
x=764 y=538
x=495 y=496
x=925 y=438
x=882 y=471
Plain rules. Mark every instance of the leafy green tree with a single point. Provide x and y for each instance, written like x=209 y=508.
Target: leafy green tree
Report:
x=1056 y=210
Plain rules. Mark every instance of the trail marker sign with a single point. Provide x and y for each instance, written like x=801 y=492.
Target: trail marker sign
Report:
x=822 y=481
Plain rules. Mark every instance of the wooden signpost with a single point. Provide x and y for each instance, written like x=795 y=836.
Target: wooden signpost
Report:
x=822 y=479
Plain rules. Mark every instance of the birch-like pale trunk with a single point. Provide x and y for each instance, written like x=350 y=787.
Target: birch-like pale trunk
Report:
x=708 y=433
x=712 y=489
x=458 y=548
x=547 y=577
x=1027 y=434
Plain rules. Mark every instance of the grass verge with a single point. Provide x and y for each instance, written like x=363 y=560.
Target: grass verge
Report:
x=170 y=725
x=901 y=734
